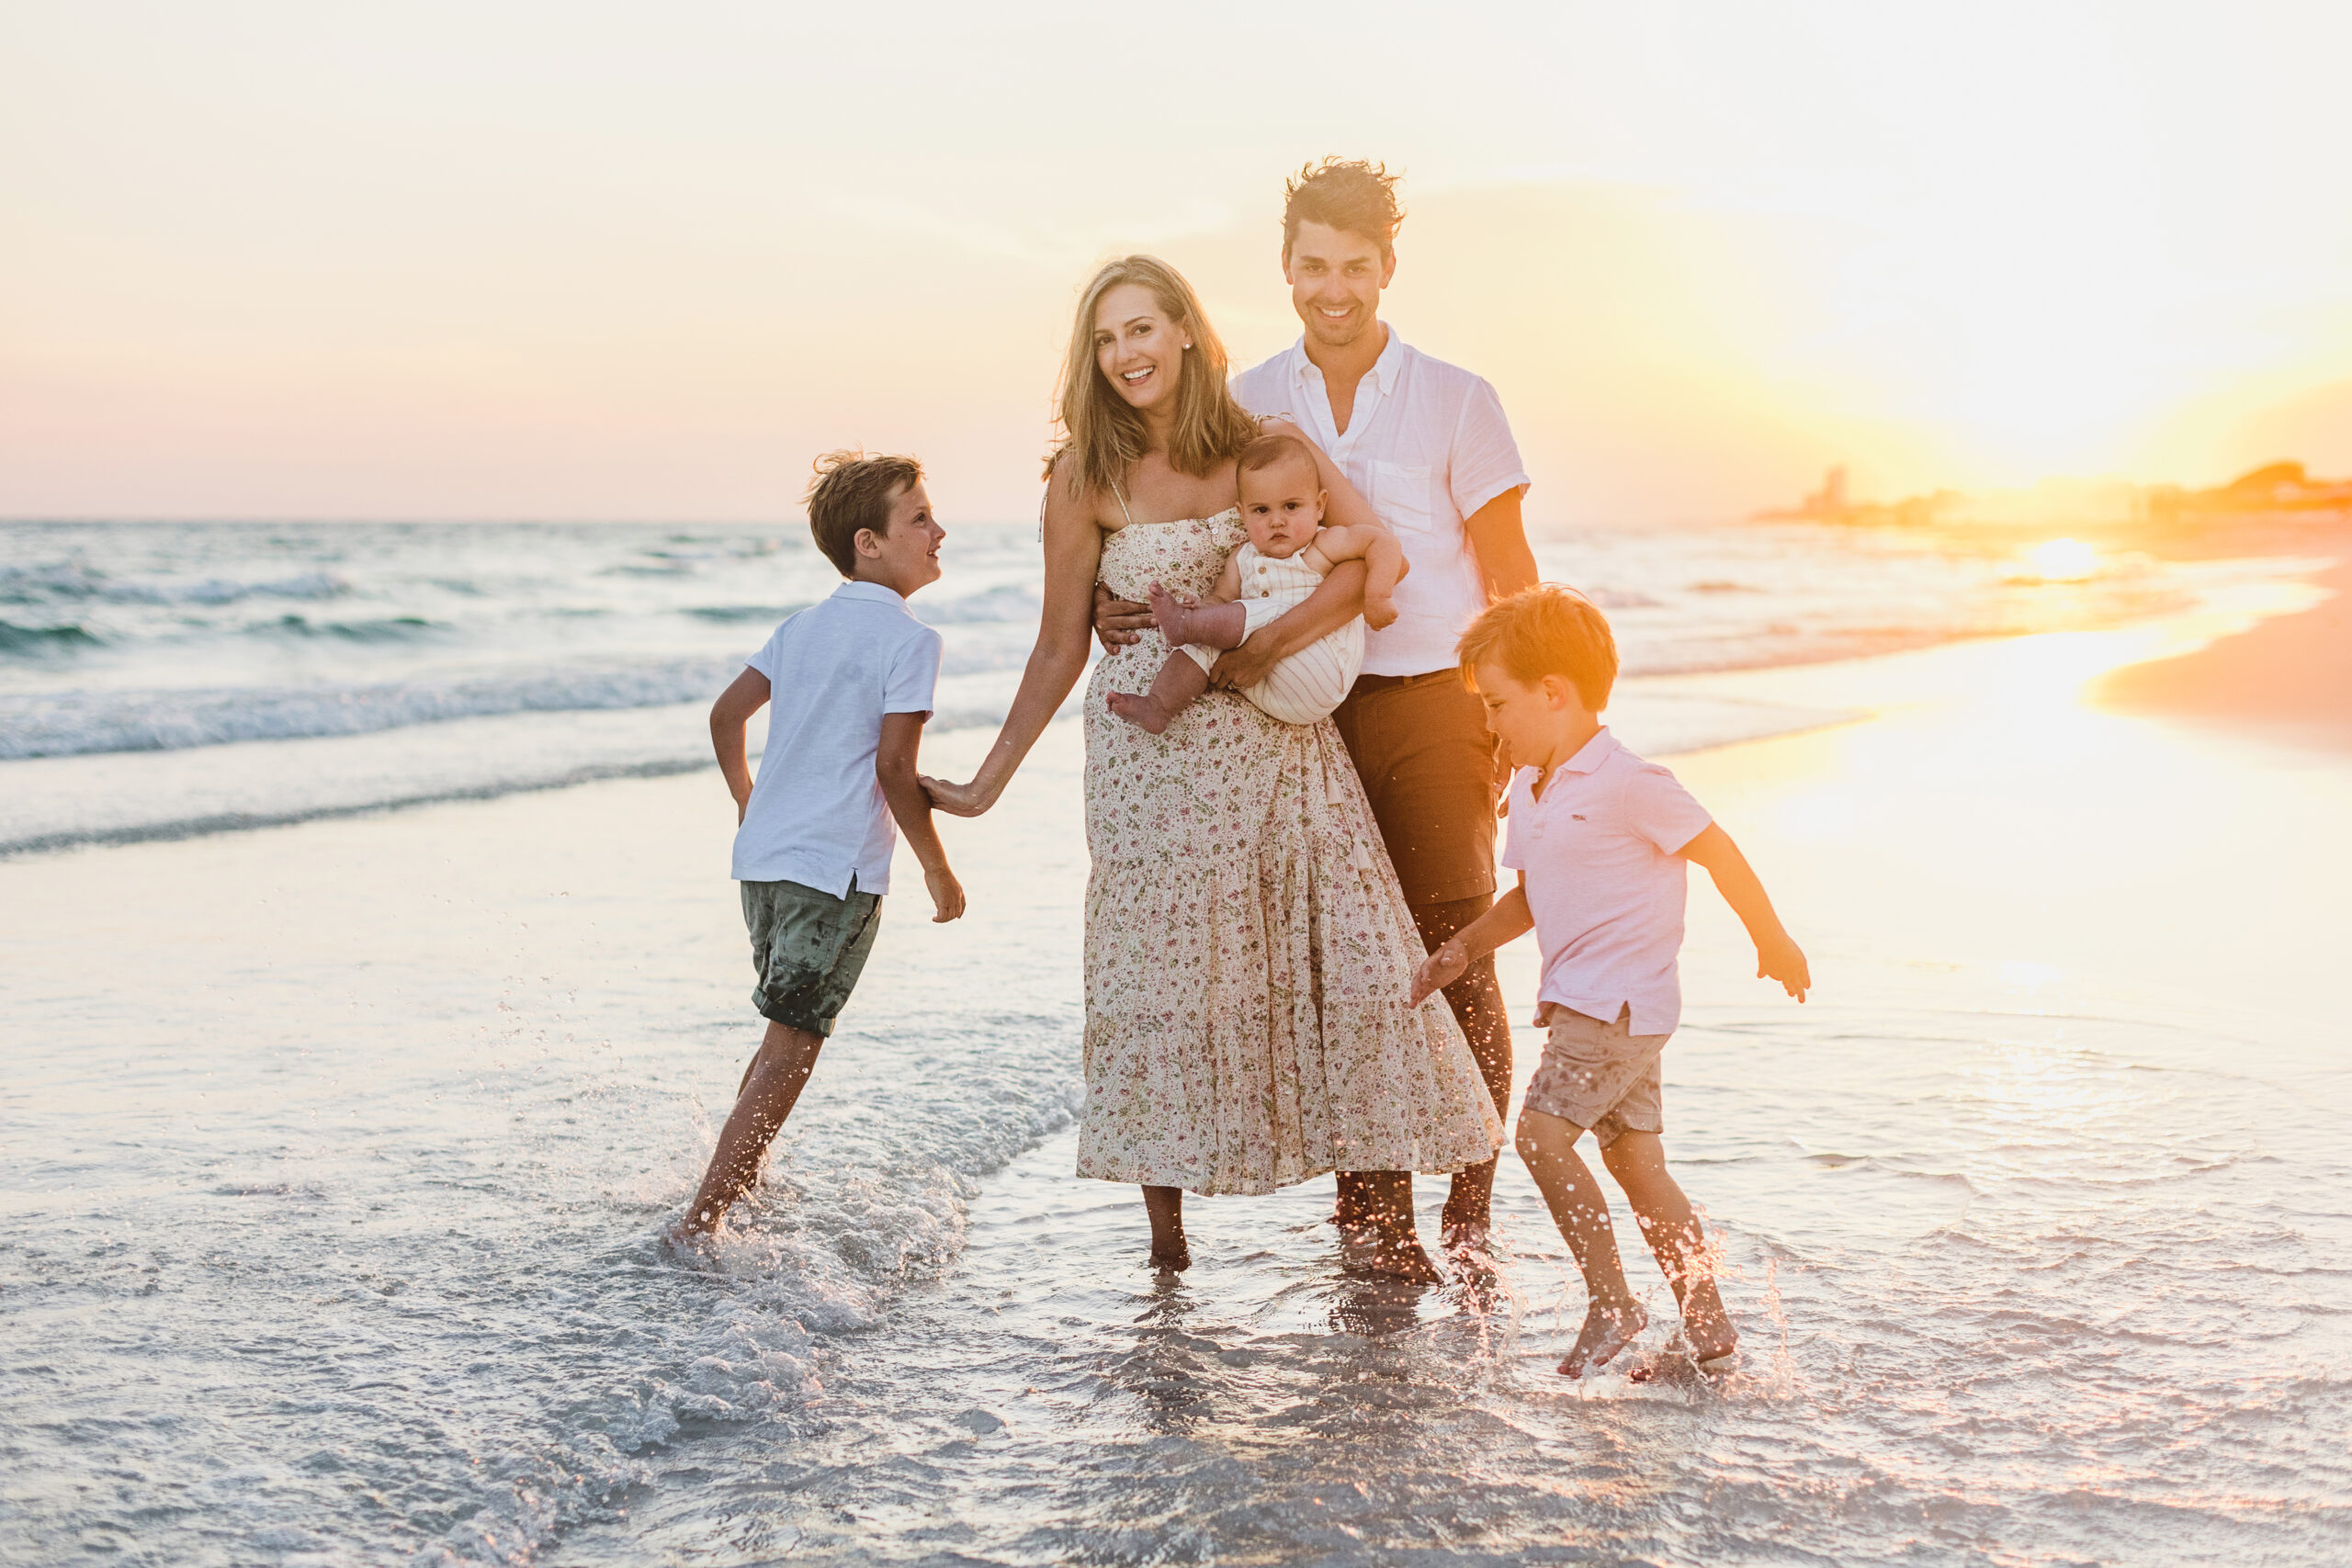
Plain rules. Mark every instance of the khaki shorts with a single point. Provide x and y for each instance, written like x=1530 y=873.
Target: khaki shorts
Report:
x=809 y=948
x=1429 y=767
x=1602 y=1076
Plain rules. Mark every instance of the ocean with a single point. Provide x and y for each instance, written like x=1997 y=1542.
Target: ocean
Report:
x=375 y=988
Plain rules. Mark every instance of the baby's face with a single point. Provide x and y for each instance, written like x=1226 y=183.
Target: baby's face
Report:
x=1281 y=507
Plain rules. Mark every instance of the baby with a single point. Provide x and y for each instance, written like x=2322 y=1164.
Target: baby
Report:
x=1288 y=554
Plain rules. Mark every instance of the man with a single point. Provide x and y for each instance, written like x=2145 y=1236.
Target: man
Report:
x=1427 y=444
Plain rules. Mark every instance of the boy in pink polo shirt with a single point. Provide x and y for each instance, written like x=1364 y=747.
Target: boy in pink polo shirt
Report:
x=1599 y=837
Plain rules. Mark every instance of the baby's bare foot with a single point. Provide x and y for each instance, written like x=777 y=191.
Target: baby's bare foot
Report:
x=1607 y=1330
x=1173 y=617
x=1142 y=711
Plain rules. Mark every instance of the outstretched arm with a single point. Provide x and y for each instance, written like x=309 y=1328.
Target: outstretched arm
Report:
x=742 y=698
x=894 y=767
x=1073 y=555
x=1778 y=957
x=1510 y=918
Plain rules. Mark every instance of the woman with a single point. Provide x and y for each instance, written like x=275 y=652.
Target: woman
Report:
x=1247 y=951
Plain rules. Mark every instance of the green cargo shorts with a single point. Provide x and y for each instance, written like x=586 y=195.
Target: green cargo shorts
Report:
x=808 y=948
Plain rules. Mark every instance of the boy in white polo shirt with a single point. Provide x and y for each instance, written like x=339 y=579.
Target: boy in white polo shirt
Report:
x=851 y=682
x=1599 y=837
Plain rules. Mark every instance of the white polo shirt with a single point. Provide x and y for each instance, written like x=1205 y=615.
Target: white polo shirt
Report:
x=818 y=816
x=1602 y=881
x=1428 y=445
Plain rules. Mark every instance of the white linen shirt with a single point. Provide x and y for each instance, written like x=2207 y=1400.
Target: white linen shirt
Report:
x=1602 y=881
x=817 y=815
x=1428 y=445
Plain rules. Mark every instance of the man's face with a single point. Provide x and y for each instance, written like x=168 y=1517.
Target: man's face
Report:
x=1335 y=280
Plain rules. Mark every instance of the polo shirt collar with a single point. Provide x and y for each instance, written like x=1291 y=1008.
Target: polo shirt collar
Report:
x=855 y=589
x=1592 y=754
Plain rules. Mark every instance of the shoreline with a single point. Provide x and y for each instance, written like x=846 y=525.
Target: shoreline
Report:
x=2288 y=677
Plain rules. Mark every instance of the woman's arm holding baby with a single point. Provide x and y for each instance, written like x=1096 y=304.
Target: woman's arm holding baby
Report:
x=1073 y=556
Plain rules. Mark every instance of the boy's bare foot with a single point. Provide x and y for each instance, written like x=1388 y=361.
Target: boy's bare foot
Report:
x=1172 y=614
x=1607 y=1330
x=1140 y=709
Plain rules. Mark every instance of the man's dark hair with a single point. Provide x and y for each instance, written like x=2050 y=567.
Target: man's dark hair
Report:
x=853 y=490
x=1347 y=194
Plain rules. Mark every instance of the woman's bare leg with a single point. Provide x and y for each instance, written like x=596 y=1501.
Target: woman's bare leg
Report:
x=771 y=1087
x=1166 y=1207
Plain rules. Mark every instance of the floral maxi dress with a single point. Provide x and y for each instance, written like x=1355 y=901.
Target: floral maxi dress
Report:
x=1248 y=951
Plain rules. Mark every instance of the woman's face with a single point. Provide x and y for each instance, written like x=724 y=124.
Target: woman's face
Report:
x=1138 y=347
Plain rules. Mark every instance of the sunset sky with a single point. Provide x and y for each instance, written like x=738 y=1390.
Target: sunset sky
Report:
x=594 y=261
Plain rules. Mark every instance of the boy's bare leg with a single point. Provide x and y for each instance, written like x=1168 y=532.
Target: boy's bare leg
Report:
x=770 y=1088
x=1638 y=1162
x=1173 y=690
x=1612 y=1317
x=1166 y=1207
x=1210 y=624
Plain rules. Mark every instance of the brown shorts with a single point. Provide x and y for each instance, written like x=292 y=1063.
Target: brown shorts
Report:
x=1420 y=745
x=1602 y=1076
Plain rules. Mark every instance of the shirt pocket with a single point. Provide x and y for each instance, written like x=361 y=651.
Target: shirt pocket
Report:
x=1400 y=498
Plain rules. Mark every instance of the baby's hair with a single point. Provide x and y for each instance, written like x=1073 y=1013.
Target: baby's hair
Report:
x=1549 y=629
x=1275 y=446
x=853 y=490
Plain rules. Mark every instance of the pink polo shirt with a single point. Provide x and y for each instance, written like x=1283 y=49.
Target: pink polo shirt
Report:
x=1603 y=883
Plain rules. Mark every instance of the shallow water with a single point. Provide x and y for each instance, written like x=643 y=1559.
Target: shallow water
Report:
x=335 y=1154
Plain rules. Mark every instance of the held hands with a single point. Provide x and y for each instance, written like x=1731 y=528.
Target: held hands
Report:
x=1118 y=622
x=956 y=800
x=947 y=894
x=1441 y=969
x=1780 y=959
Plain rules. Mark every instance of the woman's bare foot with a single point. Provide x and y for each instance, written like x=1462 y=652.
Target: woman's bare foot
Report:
x=1607 y=1330
x=1369 y=1249
x=1140 y=709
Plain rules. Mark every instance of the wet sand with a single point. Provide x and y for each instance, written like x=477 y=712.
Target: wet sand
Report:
x=2291 y=675
x=336 y=1154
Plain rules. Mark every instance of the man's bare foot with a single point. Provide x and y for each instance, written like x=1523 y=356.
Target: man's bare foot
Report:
x=1468 y=1241
x=1142 y=710
x=1607 y=1330
x=1379 y=613
x=1172 y=616
x=1368 y=1249
x=1172 y=1262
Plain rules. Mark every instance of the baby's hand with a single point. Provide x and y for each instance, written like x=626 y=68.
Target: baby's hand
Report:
x=947 y=894
x=1380 y=612
x=1438 y=971
x=1782 y=960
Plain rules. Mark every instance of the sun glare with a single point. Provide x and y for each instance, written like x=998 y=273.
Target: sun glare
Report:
x=2063 y=560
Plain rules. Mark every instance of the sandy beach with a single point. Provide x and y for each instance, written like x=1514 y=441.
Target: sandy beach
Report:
x=2033 y=1216
x=2291 y=675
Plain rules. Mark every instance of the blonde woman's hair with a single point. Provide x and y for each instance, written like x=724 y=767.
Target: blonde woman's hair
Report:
x=1105 y=435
